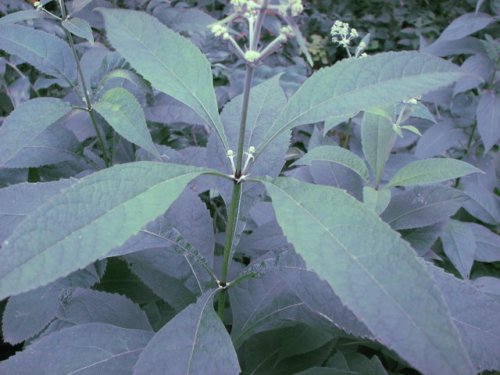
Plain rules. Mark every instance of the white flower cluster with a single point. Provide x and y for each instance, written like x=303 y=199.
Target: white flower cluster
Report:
x=295 y=7
x=342 y=34
x=249 y=8
x=219 y=30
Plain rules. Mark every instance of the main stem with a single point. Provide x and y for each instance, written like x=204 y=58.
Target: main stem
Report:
x=234 y=206
x=84 y=86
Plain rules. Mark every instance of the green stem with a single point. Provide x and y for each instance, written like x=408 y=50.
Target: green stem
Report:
x=234 y=206
x=90 y=110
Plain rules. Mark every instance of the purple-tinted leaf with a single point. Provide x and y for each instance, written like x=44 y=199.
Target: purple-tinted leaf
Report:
x=23 y=15
x=475 y=315
x=325 y=173
x=459 y=246
x=19 y=131
x=465 y=25
x=183 y=19
x=480 y=66
x=488 y=284
x=482 y=204
x=421 y=239
x=28 y=313
x=167 y=110
x=488 y=119
x=466 y=45
x=17 y=201
x=487 y=243
x=194 y=342
x=438 y=139
x=422 y=206
x=86 y=349
x=80 y=306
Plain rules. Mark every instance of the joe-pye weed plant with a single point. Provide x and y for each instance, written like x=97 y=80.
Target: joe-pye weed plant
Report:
x=275 y=306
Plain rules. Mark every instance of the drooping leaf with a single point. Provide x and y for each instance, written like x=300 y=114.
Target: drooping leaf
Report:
x=81 y=306
x=26 y=123
x=353 y=85
x=421 y=239
x=374 y=273
x=124 y=113
x=171 y=63
x=46 y=52
x=459 y=246
x=429 y=171
x=93 y=348
x=79 y=27
x=104 y=208
x=488 y=118
x=194 y=342
x=475 y=315
x=337 y=155
x=465 y=25
x=19 y=200
x=27 y=314
x=377 y=139
x=422 y=206
x=487 y=243
x=22 y=15
x=438 y=139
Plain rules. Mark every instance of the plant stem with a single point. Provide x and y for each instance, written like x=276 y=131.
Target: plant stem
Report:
x=90 y=110
x=234 y=206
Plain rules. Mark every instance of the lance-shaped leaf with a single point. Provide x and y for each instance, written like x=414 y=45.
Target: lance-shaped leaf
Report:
x=46 y=52
x=124 y=113
x=430 y=171
x=337 y=155
x=170 y=62
x=87 y=220
x=79 y=27
x=488 y=118
x=459 y=245
x=353 y=85
x=25 y=124
x=194 y=342
x=94 y=348
x=22 y=15
x=377 y=139
x=373 y=271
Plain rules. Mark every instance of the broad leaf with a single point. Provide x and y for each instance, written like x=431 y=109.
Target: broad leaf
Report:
x=487 y=243
x=19 y=200
x=476 y=317
x=171 y=63
x=337 y=155
x=194 y=342
x=79 y=27
x=124 y=113
x=46 y=52
x=488 y=118
x=465 y=25
x=353 y=85
x=459 y=246
x=22 y=15
x=429 y=171
x=27 y=314
x=81 y=306
x=438 y=139
x=94 y=348
x=373 y=272
x=105 y=208
x=376 y=200
x=377 y=139
x=19 y=129
x=422 y=206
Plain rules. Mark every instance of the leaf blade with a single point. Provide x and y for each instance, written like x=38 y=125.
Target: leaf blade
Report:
x=185 y=75
x=60 y=236
x=355 y=271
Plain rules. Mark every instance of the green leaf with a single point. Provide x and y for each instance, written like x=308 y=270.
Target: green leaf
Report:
x=194 y=342
x=79 y=27
x=170 y=62
x=430 y=171
x=44 y=51
x=377 y=140
x=104 y=208
x=125 y=115
x=94 y=348
x=336 y=154
x=376 y=200
x=373 y=271
x=354 y=85
x=26 y=123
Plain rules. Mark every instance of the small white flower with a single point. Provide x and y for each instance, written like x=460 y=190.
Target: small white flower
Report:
x=252 y=55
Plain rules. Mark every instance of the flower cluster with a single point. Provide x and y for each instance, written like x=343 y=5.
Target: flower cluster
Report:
x=219 y=30
x=342 y=34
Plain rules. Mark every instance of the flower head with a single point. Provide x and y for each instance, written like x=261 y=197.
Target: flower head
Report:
x=342 y=33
